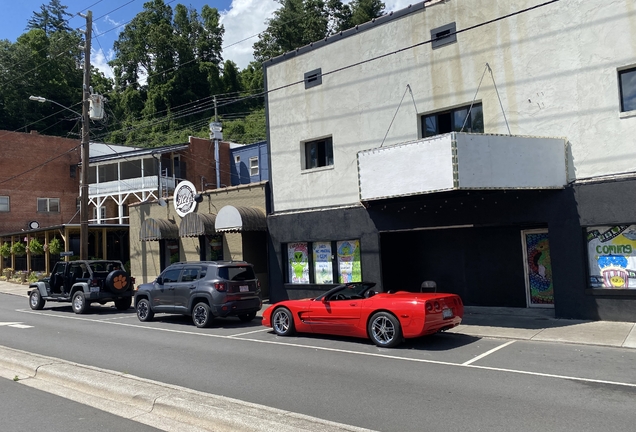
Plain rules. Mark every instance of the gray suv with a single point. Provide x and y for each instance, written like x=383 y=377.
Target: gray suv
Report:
x=203 y=290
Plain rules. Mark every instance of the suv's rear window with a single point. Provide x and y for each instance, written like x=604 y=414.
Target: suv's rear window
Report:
x=237 y=273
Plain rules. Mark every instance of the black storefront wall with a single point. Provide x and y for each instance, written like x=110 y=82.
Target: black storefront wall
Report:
x=324 y=225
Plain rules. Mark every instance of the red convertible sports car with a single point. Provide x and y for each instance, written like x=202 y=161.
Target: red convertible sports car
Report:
x=355 y=309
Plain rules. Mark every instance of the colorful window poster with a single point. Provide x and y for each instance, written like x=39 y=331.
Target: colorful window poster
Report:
x=323 y=269
x=215 y=244
x=349 y=261
x=611 y=252
x=539 y=288
x=298 y=263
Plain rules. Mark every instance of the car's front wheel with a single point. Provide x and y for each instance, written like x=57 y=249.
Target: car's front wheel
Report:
x=144 y=313
x=283 y=322
x=247 y=317
x=79 y=303
x=201 y=315
x=384 y=330
x=35 y=300
x=123 y=303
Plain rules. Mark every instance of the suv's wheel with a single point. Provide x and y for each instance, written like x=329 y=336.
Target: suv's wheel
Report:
x=117 y=281
x=123 y=303
x=79 y=303
x=201 y=315
x=144 y=313
x=247 y=317
x=35 y=300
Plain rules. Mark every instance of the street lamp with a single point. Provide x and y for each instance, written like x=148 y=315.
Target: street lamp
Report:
x=84 y=179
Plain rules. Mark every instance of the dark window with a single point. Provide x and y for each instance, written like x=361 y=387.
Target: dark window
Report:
x=471 y=119
x=92 y=175
x=107 y=173
x=237 y=273
x=171 y=275
x=150 y=167
x=318 y=153
x=190 y=274
x=627 y=80
x=48 y=205
x=130 y=169
x=443 y=35
x=313 y=78
x=4 y=203
x=73 y=171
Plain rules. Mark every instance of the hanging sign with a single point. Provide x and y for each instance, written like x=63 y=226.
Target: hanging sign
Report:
x=184 y=198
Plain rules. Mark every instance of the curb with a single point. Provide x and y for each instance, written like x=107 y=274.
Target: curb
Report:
x=163 y=406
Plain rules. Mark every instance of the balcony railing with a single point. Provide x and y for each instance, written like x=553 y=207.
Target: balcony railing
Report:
x=139 y=184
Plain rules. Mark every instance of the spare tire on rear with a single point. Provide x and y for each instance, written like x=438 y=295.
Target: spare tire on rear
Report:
x=117 y=281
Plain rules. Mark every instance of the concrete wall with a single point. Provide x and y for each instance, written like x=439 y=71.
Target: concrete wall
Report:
x=555 y=69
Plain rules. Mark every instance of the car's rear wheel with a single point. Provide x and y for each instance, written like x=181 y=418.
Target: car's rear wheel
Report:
x=247 y=317
x=384 y=330
x=144 y=313
x=201 y=315
x=79 y=303
x=283 y=322
x=35 y=300
x=123 y=303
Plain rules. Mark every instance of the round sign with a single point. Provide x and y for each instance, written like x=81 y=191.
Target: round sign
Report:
x=34 y=224
x=183 y=200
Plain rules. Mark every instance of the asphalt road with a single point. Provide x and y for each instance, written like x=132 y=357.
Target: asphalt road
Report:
x=25 y=409
x=443 y=382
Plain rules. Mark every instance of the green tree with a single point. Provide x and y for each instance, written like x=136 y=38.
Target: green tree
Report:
x=50 y=18
x=365 y=10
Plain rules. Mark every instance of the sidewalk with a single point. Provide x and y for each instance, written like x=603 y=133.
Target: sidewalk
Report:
x=509 y=323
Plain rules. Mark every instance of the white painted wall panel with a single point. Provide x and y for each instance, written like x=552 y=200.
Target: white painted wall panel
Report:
x=487 y=161
x=419 y=167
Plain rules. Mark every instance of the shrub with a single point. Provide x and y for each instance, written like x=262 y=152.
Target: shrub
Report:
x=5 y=250
x=18 y=249
x=55 y=246
x=35 y=247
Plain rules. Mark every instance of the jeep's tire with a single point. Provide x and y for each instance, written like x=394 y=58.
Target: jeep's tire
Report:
x=79 y=303
x=123 y=304
x=144 y=312
x=117 y=281
x=35 y=300
x=201 y=315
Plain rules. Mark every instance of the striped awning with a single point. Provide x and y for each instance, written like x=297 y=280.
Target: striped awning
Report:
x=158 y=229
x=239 y=219
x=197 y=224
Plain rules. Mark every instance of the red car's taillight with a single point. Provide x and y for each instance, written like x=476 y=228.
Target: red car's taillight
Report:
x=220 y=286
x=429 y=307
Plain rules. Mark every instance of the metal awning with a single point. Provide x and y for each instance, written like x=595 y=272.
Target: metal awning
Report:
x=239 y=219
x=158 y=229
x=197 y=224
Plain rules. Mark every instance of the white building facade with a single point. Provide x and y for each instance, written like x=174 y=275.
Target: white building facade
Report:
x=487 y=147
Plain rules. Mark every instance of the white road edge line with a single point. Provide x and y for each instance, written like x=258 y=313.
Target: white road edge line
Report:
x=377 y=355
x=246 y=333
x=487 y=353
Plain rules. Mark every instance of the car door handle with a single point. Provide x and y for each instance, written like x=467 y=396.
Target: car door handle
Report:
x=192 y=286
x=353 y=304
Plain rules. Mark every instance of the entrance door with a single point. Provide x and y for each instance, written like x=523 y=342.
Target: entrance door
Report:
x=538 y=267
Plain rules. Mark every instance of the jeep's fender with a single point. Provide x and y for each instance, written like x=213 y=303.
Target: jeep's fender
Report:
x=41 y=287
x=196 y=298
x=80 y=286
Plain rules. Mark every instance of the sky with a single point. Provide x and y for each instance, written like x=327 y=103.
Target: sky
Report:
x=243 y=21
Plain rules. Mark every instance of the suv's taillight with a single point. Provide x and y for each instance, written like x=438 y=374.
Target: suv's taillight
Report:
x=220 y=286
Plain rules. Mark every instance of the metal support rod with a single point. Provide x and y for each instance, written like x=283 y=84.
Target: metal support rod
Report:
x=85 y=139
x=216 y=150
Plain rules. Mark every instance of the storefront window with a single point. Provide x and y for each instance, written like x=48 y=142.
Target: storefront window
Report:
x=349 y=261
x=216 y=247
x=323 y=268
x=298 y=260
x=612 y=256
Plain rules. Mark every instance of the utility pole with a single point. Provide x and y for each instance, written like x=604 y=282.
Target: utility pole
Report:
x=85 y=137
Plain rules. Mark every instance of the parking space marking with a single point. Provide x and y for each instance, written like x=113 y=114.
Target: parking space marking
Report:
x=345 y=351
x=246 y=333
x=487 y=353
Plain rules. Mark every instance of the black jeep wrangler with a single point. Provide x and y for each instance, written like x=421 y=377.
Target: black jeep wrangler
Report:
x=83 y=283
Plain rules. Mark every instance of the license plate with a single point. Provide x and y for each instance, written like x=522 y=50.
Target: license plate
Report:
x=95 y=289
x=244 y=288
x=447 y=313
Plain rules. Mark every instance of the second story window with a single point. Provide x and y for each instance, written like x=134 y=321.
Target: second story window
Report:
x=318 y=153
x=48 y=205
x=472 y=120
x=254 y=166
x=627 y=83
x=4 y=203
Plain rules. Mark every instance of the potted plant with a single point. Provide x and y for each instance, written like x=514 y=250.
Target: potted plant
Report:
x=55 y=246
x=35 y=247
x=5 y=250
x=18 y=249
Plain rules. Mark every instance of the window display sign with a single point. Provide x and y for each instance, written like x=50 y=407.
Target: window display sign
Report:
x=323 y=269
x=297 y=255
x=538 y=266
x=612 y=256
x=349 y=261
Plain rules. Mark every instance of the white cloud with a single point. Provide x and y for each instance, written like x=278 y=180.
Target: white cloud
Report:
x=100 y=59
